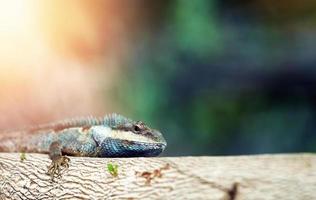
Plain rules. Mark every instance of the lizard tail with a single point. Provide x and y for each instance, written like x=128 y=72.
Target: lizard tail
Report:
x=10 y=143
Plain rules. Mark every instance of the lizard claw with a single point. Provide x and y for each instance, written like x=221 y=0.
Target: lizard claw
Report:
x=58 y=160
x=56 y=166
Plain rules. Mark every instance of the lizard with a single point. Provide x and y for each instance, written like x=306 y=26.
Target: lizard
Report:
x=110 y=136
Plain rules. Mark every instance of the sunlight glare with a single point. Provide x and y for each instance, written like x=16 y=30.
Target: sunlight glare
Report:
x=14 y=16
x=17 y=34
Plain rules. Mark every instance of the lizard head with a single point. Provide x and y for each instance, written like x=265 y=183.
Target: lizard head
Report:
x=123 y=137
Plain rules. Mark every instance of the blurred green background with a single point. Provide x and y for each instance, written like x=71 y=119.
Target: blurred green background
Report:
x=217 y=77
x=226 y=77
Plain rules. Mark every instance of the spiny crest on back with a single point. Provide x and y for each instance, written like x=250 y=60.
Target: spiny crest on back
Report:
x=111 y=120
x=115 y=120
x=68 y=123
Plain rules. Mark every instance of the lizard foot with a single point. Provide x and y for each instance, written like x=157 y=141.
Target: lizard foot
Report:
x=58 y=160
x=56 y=166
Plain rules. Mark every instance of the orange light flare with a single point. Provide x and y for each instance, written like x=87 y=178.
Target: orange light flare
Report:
x=16 y=33
x=57 y=57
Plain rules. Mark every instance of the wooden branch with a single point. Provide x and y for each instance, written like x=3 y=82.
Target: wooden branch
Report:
x=236 y=177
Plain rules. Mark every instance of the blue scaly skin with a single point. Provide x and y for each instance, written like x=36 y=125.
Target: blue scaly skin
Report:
x=111 y=136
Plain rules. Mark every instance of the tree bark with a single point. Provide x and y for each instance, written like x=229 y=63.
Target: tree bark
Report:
x=291 y=176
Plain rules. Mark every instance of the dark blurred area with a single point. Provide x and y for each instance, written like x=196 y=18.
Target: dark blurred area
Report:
x=223 y=77
x=227 y=77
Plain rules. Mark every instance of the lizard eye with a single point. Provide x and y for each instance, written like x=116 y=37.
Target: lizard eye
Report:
x=137 y=128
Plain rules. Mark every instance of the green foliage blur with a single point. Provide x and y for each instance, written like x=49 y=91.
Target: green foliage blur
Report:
x=226 y=77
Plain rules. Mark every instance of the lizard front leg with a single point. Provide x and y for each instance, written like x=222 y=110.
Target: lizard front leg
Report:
x=58 y=160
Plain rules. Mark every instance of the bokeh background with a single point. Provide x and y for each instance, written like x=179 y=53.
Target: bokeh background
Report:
x=217 y=77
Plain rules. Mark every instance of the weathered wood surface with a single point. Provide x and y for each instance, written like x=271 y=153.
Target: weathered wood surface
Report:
x=235 y=177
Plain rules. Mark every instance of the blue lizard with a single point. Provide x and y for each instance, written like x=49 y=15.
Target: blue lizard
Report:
x=111 y=136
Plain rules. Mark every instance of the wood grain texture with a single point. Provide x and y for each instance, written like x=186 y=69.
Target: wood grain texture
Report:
x=231 y=178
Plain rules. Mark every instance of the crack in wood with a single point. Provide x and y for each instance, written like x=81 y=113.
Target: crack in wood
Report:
x=202 y=180
x=233 y=192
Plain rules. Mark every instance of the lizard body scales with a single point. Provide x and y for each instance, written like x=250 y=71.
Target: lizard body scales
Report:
x=111 y=136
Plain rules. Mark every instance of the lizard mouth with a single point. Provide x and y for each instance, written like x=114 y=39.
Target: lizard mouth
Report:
x=124 y=148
